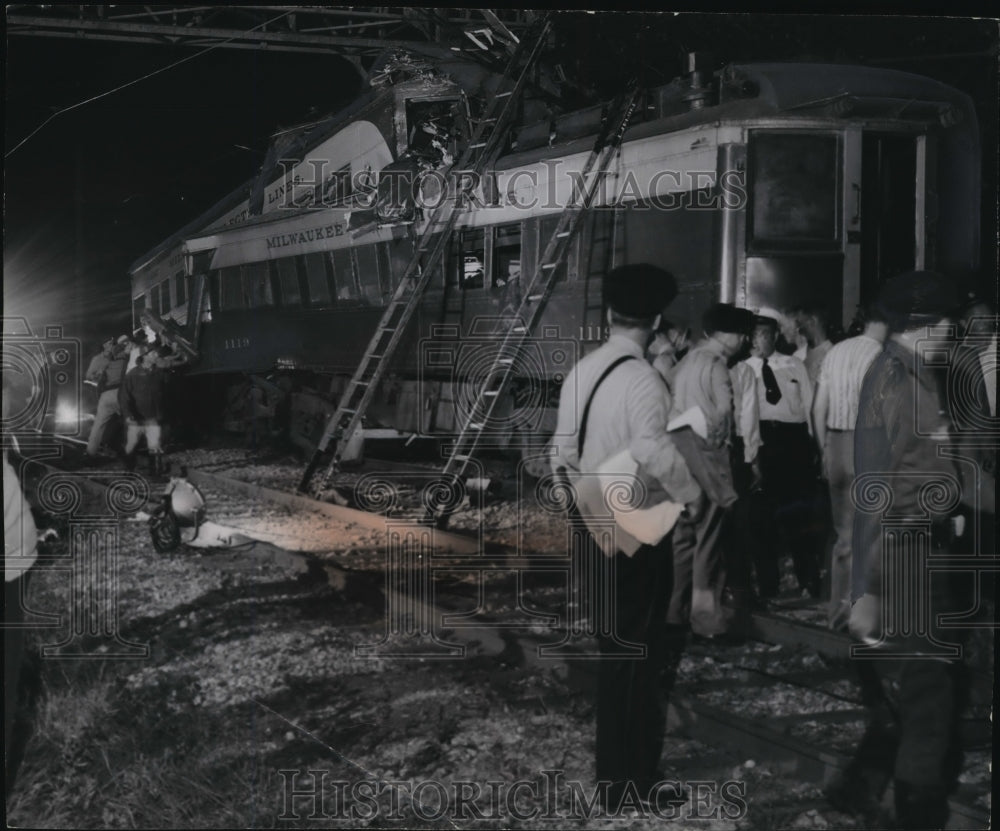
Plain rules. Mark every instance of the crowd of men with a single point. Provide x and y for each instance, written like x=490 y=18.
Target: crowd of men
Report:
x=765 y=449
x=761 y=433
x=130 y=374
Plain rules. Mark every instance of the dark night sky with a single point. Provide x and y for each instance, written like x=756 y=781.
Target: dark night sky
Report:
x=98 y=186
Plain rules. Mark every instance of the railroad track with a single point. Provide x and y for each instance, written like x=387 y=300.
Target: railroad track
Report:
x=802 y=666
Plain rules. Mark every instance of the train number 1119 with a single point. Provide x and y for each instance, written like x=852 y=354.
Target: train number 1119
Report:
x=591 y=332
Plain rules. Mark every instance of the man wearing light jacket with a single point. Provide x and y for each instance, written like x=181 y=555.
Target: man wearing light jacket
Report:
x=702 y=380
x=107 y=370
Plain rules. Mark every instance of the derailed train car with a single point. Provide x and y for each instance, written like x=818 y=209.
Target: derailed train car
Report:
x=763 y=185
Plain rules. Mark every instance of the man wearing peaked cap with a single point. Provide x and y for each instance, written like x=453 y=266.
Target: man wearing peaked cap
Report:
x=613 y=401
x=790 y=341
x=639 y=291
x=770 y=314
x=787 y=499
x=702 y=381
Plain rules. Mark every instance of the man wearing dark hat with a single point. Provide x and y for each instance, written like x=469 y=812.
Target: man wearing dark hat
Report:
x=702 y=380
x=107 y=370
x=903 y=425
x=612 y=401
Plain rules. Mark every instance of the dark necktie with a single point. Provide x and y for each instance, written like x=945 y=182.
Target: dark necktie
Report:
x=772 y=392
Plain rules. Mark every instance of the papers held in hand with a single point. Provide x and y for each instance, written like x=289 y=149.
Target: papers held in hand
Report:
x=708 y=462
x=694 y=418
x=622 y=490
x=640 y=506
x=633 y=501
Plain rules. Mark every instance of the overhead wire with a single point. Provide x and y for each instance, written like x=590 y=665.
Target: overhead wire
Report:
x=134 y=81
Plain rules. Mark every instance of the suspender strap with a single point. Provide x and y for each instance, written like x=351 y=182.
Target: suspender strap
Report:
x=586 y=410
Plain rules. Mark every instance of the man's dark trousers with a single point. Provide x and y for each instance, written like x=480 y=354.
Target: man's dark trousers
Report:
x=630 y=719
x=791 y=502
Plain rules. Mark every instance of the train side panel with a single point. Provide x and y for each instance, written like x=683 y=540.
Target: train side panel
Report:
x=783 y=200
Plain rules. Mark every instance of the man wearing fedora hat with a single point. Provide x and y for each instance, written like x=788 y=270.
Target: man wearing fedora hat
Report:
x=702 y=380
x=613 y=401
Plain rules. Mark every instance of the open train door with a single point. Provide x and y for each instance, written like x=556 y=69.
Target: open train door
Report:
x=834 y=213
x=911 y=199
x=888 y=221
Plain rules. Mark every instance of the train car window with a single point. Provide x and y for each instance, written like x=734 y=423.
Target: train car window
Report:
x=368 y=274
x=257 y=283
x=343 y=275
x=431 y=130
x=231 y=288
x=289 y=286
x=794 y=190
x=164 y=291
x=317 y=279
x=471 y=260
x=506 y=256
x=180 y=288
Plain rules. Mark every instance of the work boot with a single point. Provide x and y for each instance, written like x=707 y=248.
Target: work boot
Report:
x=130 y=461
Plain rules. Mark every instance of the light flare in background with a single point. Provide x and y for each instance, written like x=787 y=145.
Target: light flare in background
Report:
x=42 y=284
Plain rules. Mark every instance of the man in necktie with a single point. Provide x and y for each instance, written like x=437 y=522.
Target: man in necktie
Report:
x=786 y=504
x=772 y=392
